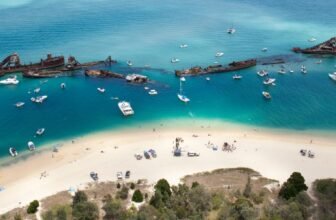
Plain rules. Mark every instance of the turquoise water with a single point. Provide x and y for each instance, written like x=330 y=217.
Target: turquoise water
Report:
x=149 y=33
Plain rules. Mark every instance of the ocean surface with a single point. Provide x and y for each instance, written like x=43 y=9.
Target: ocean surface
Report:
x=149 y=32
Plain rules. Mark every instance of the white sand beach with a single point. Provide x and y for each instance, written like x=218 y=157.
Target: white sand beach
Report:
x=275 y=154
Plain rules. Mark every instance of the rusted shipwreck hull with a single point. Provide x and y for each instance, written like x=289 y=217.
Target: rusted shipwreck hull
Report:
x=326 y=48
x=234 y=66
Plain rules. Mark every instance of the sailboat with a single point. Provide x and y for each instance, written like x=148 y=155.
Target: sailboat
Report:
x=180 y=95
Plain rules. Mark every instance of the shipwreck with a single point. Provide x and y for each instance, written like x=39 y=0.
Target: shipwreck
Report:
x=326 y=48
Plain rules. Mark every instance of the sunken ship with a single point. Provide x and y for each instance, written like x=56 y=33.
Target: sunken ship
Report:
x=326 y=48
x=234 y=66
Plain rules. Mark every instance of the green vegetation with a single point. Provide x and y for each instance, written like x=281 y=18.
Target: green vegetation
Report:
x=293 y=186
x=325 y=191
x=195 y=202
x=33 y=206
x=137 y=196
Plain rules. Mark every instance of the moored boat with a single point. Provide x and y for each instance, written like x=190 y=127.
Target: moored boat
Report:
x=333 y=76
x=40 y=131
x=269 y=81
x=101 y=90
x=174 y=60
x=266 y=95
x=39 y=99
x=129 y=63
x=63 y=85
x=237 y=77
x=19 y=104
x=152 y=92
x=125 y=108
x=31 y=146
x=231 y=30
x=13 y=152
x=181 y=96
x=183 y=45
x=10 y=81
x=262 y=73
x=219 y=54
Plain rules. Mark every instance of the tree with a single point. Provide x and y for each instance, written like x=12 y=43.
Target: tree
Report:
x=85 y=211
x=113 y=210
x=248 y=188
x=163 y=186
x=33 y=206
x=132 y=186
x=293 y=186
x=137 y=196
x=79 y=197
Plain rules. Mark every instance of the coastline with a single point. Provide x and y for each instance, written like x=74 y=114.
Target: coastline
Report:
x=273 y=153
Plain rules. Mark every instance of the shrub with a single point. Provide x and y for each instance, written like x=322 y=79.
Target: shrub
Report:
x=79 y=197
x=48 y=215
x=85 y=211
x=118 y=185
x=132 y=186
x=137 y=196
x=17 y=217
x=33 y=206
x=194 y=184
x=293 y=186
x=113 y=210
x=123 y=193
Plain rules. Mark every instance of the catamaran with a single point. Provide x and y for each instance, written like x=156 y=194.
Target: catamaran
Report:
x=180 y=95
x=125 y=108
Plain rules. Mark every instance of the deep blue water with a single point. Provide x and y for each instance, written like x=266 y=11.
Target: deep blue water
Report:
x=150 y=32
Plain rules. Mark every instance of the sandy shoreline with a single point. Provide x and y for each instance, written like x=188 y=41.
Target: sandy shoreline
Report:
x=275 y=154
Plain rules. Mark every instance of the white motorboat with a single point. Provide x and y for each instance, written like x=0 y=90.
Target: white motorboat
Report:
x=183 y=45
x=19 y=104
x=129 y=63
x=63 y=86
x=152 y=92
x=207 y=78
x=180 y=95
x=312 y=39
x=37 y=90
x=174 y=60
x=266 y=95
x=40 y=131
x=125 y=108
x=303 y=69
x=146 y=87
x=31 y=146
x=333 y=76
x=10 y=81
x=231 y=30
x=102 y=90
x=13 y=152
x=265 y=49
x=262 y=73
x=291 y=71
x=39 y=99
x=219 y=54
x=269 y=81
x=282 y=71
x=183 y=79
x=237 y=76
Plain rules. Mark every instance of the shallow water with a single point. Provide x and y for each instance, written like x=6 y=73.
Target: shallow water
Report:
x=149 y=33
